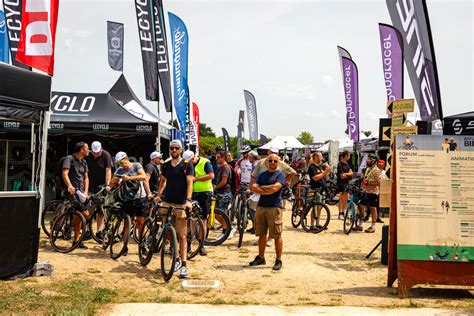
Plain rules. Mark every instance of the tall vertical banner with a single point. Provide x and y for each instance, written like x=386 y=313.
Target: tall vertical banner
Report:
x=226 y=139
x=392 y=61
x=146 y=28
x=115 y=45
x=162 y=59
x=194 y=127
x=410 y=18
x=13 y=12
x=263 y=139
x=38 y=34
x=240 y=130
x=350 y=79
x=4 y=47
x=251 y=106
x=179 y=41
x=197 y=124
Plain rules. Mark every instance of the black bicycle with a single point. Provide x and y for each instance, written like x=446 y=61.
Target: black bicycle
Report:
x=195 y=231
x=316 y=214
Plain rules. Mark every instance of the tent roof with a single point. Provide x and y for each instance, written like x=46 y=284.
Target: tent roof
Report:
x=23 y=94
x=460 y=116
x=282 y=142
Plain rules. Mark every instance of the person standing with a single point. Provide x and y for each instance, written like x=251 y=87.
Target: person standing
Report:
x=229 y=159
x=244 y=166
x=268 y=217
x=222 y=186
x=176 y=188
x=344 y=175
x=100 y=173
x=76 y=178
x=152 y=172
x=453 y=146
x=370 y=188
x=318 y=172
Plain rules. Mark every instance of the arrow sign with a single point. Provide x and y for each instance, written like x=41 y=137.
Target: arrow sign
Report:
x=400 y=106
x=399 y=119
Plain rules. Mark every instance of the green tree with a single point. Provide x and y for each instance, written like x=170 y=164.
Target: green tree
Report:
x=174 y=123
x=306 y=138
x=206 y=130
x=366 y=133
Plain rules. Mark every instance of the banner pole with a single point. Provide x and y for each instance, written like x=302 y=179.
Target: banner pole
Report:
x=158 y=137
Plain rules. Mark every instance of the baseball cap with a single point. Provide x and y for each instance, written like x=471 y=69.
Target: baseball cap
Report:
x=96 y=147
x=176 y=143
x=120 y=155
x=274 y=150
x=155 y=154
x=188 y=155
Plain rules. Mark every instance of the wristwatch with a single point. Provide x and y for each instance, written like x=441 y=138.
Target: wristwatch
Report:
x=189 y=199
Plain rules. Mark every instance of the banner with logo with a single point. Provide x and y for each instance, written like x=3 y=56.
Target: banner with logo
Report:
x=115 y=45
x=460 y=124
x=38 y=34
x=251 y=106
x=179 y=40
x=226 y=140
x=392 y=61
x=350 y=80
x=162 y=59
x=263 y=139
x=240 y=130
x=4 y=47
x=13 y=11
x=146 y=31
x=196 y=127
x=410 y=18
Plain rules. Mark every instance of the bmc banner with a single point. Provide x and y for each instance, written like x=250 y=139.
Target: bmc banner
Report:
x=162 y=59
x=251 y=115
x=115 y=45
x=4 y=47
x=38 y=34
x=434 y=209
x=195 y=130
x=12 y=9
x=146 y=35
x=226 y=139
x=392 y=61
x=179 y=40
x=411 y=20
x=350 y=81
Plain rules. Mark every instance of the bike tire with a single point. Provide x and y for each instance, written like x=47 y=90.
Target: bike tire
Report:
x=194 y=236
x=108 y=231
x=147 y=244
x=168 y=250
x=118 y=235
x=349 y=219
x=213 y=238
x=243 y=224
x=325 y=215
x=296 y=211
x=92 y=224
x=331 y=193
x=62 y=232
x=56 y=207
x=135 y=232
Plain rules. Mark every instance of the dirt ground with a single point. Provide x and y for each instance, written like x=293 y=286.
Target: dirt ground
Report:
x=318 y=269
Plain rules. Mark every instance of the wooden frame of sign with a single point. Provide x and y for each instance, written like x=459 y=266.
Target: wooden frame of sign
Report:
x=412 y=272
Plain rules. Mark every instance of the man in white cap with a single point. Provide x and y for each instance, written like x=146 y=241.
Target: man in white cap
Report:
x=100 y=172
x=152 y=172
x=176 y=187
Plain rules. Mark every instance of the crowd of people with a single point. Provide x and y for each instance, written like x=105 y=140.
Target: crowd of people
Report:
x=186 y=177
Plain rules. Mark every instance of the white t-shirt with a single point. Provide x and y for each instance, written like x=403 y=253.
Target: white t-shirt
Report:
x=245 y=168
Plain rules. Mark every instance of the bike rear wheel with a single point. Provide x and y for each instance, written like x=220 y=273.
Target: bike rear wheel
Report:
x=62 y=236
x=146 y=246
x=194 y=236
x=311 y=217
x=243 y=224
x=51 y=210
x=93 y=224
x=119 y=236
x=216 y=234
x=349 y=218
x=168 y=252
x=296 y=212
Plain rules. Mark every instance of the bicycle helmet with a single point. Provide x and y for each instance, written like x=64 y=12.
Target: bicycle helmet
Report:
x=372 y=157
x=245 y=149
x=219 y=148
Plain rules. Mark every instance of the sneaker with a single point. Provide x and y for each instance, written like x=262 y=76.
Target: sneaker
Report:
x=125 y=252
x=82 y=246
x=313 y=228
x=358 y=228
x=320 y=227
x=183 y=274
x=257 y=262
x=177 y=265
x=251 y=230
x=232 y=233
x=203 y=251
x=379 y=220
x=278 y=264
x=270 y=242
x=370 y=230
x=99 y=235
x=341 y=216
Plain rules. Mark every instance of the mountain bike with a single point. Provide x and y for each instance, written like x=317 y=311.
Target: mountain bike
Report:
x=159 y=237
x=52 y=209
x=299 y=203
x=195 y=234
x=218 y=224
x=352 y=215
x=315 y=204
x=241 y=213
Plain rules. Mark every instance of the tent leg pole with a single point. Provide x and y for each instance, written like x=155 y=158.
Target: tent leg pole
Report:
x=42 y=166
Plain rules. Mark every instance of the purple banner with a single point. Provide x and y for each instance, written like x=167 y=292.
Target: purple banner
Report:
x=351 y=94
x=392 y=60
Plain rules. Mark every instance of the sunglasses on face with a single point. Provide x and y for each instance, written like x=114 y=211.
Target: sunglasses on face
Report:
x=174 y=148
x=119 y=163
x=273 y=161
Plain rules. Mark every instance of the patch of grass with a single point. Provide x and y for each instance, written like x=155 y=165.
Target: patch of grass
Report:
x=413 y=304
x=164 y=299
x=272 y=292
x=218 y=301
x=92 y=270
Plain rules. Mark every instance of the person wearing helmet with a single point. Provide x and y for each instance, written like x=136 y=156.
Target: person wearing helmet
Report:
x=370 y=188
x=244 y=166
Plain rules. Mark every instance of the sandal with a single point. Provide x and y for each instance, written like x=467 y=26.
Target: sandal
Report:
x=370 y=230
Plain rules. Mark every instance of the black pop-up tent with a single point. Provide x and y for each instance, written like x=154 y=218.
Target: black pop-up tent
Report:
x=24 y=97
x=459 y=124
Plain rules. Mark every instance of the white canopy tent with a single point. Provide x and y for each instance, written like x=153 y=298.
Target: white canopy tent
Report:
x=282 y=142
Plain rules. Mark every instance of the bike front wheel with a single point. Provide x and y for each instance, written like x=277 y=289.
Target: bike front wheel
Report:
x=296 y=211
x=51 y=210
x=168 y=252
x=97 y=219
x=147 y=244
x=62 y=236
x=194 y=236
x=316 y=217
x=218 y=231
x=119 y=236
x=349 y=217
x=243 y=224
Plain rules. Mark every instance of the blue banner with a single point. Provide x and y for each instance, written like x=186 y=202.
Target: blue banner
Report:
x=4 y=48
x=179 y=41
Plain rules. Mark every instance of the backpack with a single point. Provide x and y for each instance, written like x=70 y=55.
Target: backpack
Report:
x=58 y=174
x=128 y=190
x=234 y=179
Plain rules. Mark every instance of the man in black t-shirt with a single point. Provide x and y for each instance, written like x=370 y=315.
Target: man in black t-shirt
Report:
x=318 y=172
x=152 y=171
x=176 y=184
x=344 y=175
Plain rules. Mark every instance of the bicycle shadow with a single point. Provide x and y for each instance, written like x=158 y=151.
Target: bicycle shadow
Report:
x=134 y=267
x=238 y=267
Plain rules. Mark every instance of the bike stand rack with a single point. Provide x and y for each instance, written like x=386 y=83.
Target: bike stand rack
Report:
x=373 y=250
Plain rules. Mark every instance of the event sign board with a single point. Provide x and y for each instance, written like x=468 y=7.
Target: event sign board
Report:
x=397 y=130
x=399 y=119
x=435 y=201
x=400 y=106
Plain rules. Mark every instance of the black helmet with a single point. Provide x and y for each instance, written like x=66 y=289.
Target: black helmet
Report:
x=219 y=148
x=245 y=149
x=372 y=157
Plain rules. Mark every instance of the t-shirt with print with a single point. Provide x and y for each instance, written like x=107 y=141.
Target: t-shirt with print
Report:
x=282 y=166
x=154 y=172
x=245 y=167
x=223 y=171
x=372 y=177
x=176 y=189
x=270 y=178
x=314 y=170
x=77 y=170
x=97 y=168
x=133 y=171
x=343 y=167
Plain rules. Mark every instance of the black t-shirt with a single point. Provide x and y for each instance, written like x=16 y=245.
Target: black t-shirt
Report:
x=154 y=172
x=176 y=184
x=97 y=169
x=343 y=167
x=314 y=170
x=453 y=146
x=77 y=170
x=223 y=171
